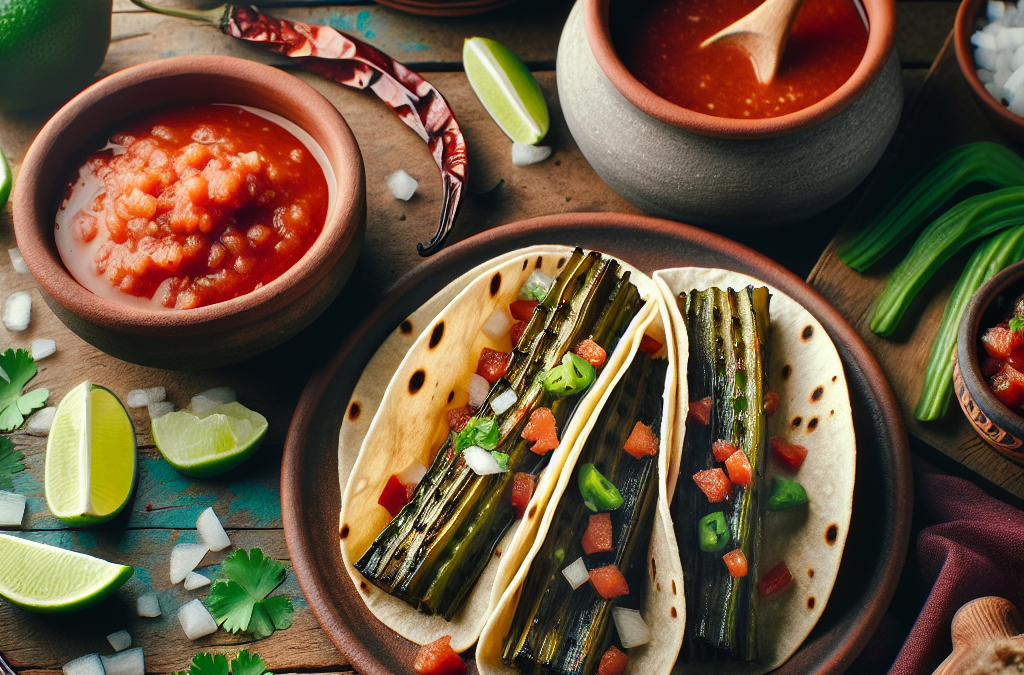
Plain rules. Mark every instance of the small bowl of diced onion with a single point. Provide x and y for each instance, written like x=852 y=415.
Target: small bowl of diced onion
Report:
x=989 y=41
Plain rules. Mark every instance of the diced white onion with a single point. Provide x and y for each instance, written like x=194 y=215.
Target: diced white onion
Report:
x=84 y=665
x=497 y=324
x=984 y=41
x=402 y=185
x=137 y=398
x=524 y=154
x=131 y=662
x=995 y=10
x=220 y=394
x=576 y=573
x=195 y=580
x=41 y=422
x=184 y=559
x=12 y=509
x=478 y=388
x=148 y=606
x=211 y=531
x=42 y=348
x=17 y=261
x=196 y=620
x=120 y=641
x=503 y=401
x=412 y=474
x=202 y=406
x=156 y=394
x=631 y=627
x=160 y=409
x=536 y=286
x=481 y=461
x=18 y=311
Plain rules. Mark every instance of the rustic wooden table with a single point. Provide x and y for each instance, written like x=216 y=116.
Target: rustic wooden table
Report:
x=166 y=504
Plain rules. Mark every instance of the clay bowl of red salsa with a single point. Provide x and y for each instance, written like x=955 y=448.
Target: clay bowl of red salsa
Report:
x=988 y=374
x=225 y=215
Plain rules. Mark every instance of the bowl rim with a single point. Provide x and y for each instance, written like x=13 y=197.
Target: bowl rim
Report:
x=881 y=38
x=329 y=130
x=963 y=28
x=967 y=350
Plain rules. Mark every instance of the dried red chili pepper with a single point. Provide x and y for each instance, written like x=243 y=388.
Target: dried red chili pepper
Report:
x=353 y=63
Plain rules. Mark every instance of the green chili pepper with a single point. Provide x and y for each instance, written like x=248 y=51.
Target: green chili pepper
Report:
x=972 y=163
x=598 y=492
x=713 y=532
x=992 y=256
x=482 y=431
x=572 y=376
x=786 y=494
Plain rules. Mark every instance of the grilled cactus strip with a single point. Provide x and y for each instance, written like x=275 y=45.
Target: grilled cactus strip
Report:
x=728 y=333
x=559 y=630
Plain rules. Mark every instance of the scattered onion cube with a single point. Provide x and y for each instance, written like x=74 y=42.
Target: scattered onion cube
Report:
x=120 y=641
x=196 y=620
x=184 y=559
x=497 y=324
x=195 y=580
x=156 y=394
x=148 y=606
x=631 y=627
x=84 y=665
x=18 y=311
x=160 y=409
x=402 y=185
x=17 y=261
x=41 y=422
x=576 y=573
x=211 y=531
x=411 y=475
x=478 y=388
x=524 y=154
x=42 y=348
x=130 y=662
x=137 y=398
x=202 y=405
x=480 y=461
x=221 y=395
x=12 y=509
x=503 y=401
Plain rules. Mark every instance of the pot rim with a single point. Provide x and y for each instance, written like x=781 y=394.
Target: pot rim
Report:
x=881 y=38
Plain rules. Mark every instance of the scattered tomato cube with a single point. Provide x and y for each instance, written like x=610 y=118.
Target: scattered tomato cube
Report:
x=790 y=455
x=590 y=351
x=771 y=402
x=723 y=450
x=649 y=345
x=991 y=366
x=522 y=310
x=438 y=658
x=1017 y=359
x=522 y=491
x=738 y=466
x=598 y=537
x=613 y=662
x=1000 y=341
x=1008 y=386
x=609 y=582
x=458 y=417
x=641 y=441
x=714 y=483
x=541 y=429
x=492 y=365
x=394 y=496
x=700 y=411
x=736 y=562
x=775 y=580
x=515 y=333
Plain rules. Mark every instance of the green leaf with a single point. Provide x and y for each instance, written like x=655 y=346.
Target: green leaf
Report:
x=247 y=663
x=244 y=663
x=280 y=610
x=237 y=598
x=209 y=664
x=10 y=463
x=1017 y=324
x=33 y=400
x=20 y=368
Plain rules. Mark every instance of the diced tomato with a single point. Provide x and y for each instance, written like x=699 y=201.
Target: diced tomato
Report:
x=522 y=309
x=438 y=658
x=771 y=402
x=458 y=417
x=775 y=580
x=736 y=562
x=991 y=366
x=738 y=466
x=609 y=582
x=700 y=411
x=522 y=491
x=723 y=449
x=516 y=332
x=613 y=662
x=641 y=441
x=492 y=365
x=714 y=483
x=1008 y=386
x=598 y=537
x=649 y=345
x=1017 y=359
x=541 y=429
x=790 y=455
x=592 y=352
x=394 y=496
x=1000 y=341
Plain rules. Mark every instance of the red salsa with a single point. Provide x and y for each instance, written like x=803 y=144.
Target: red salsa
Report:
x=193 y=205
x=659 y=42
x=1002 y=358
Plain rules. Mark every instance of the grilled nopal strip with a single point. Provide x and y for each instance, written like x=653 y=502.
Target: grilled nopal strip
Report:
x=433 y=551
x=728 y=336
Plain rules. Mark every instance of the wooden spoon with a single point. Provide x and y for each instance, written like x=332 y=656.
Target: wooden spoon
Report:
x=978 y=627
x=762 y=34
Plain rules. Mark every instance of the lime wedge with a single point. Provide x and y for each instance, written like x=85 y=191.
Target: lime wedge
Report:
x=90 y=457
x=507 y=89
x=47 y=579
x=208 y=444
x=5 y=179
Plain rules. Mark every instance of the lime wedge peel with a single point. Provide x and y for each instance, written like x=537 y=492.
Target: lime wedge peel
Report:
x=47 y=579
x=203 y=445
x=507 y=89
x=5 y=179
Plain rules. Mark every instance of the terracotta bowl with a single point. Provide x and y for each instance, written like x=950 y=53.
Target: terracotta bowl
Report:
x=997 y=113
x=445 y=7
x=999 y=426
x=716 y=172
x=221 y=333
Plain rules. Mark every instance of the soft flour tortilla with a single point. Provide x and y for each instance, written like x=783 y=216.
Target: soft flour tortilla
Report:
x=814 y=411
x=663 y=606
x=408 y=425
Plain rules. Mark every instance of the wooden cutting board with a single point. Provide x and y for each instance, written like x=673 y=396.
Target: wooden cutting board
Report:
x=941 y=116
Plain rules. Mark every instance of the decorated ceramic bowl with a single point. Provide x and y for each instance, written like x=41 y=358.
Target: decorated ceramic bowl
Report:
x=698 y=168
x=445 y=7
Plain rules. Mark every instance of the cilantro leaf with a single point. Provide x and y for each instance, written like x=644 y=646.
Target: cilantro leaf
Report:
x=244 y=663
x=1017 y=324
x=238 y=597
x=10 y=463
x=247 y=663
x=19 y=368
x=209 y=664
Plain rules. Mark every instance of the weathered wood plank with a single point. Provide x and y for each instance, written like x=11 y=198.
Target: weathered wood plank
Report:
x=921 y=30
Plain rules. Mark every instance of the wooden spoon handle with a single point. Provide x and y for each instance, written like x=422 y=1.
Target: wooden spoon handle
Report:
x=984 y=619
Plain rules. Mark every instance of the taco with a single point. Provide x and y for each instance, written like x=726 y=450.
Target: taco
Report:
x=431 y=549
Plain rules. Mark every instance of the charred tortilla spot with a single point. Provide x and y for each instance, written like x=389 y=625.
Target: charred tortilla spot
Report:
x=561 y=262
x=831 y=412
x=540 y=261
x=835 y=377
x=353 y=411
x=674 y=613
x=673 y=587
x=406 y=327
x=526 y=263
x=654 y=570
x=436 y=334
x=810 y=573
x=786 y=370
x=451 y=395
x=363 y=587
x=417 y=380
x=495 y=284
x=533 y=511
x=344 y=531
x=807 y=333
x=810 y=602
x=811 y=424
x=831 y=534
x=658 y=586
x=797 y=421
x=817 y=393
x=497 y=554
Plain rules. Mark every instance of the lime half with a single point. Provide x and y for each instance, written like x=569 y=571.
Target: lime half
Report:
x=47 y=579
x=507 y=89
x=208 y=444
x=90 y=457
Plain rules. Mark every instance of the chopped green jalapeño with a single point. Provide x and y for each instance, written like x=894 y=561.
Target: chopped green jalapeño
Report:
x=598 y=492
x=713 y=532
x=572 y=376
x=482 y=431
x=786 y=494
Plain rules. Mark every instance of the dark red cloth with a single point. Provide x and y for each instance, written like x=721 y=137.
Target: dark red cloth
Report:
x=964 y=545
